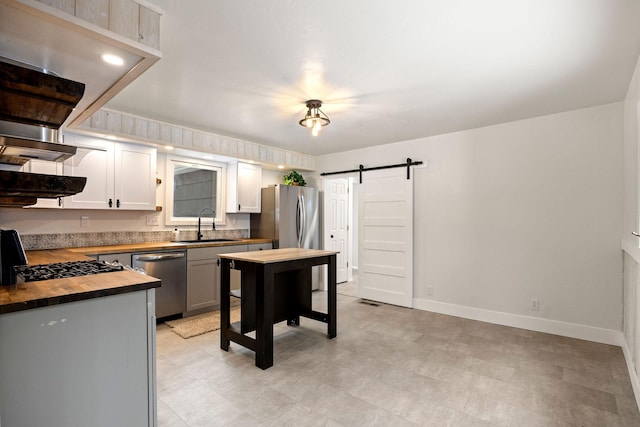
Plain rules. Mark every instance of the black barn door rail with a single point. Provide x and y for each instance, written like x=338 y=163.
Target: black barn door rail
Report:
x=361 y=169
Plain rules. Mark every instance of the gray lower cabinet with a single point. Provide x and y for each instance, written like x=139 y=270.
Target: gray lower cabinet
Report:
x=83 y=363
x=203 y=276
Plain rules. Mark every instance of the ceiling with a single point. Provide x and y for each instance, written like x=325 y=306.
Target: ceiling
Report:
x=386 y=71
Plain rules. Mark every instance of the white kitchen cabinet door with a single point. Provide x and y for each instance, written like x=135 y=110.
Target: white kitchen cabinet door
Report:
x=48 y=168
x=245 y=183
x=119 y=175
x=135 y=177
x=94 y=160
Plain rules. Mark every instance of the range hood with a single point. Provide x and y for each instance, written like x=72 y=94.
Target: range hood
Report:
x=33 y=106
x=20 y=143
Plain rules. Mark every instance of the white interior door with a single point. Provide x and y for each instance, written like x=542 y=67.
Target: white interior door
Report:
x=336 y=220
x=385 y=232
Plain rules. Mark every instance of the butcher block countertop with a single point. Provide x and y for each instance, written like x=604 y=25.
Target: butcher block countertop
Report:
x=153 y=246
x=277 y=255
x=58 y=291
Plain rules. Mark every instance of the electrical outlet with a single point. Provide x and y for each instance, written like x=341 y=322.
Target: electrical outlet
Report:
x=84 y=221
x=152 y=220
x=429 y=290
x=534 y=304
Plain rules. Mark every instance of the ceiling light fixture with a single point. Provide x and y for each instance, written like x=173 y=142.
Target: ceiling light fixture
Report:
x=315 y=117
x=112 y=59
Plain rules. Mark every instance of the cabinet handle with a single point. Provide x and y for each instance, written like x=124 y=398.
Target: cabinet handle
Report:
x=110 y=203
x=117 y=203
x=218 y=262
x=238 y=206
x=59 y=201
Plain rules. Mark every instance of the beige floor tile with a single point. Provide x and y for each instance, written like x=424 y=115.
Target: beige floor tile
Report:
x=392 y=366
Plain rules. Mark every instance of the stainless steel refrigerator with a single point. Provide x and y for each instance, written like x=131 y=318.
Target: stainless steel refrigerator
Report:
x=290 y=217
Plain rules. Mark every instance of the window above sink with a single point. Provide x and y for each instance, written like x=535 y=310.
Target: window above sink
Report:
x=194 y=184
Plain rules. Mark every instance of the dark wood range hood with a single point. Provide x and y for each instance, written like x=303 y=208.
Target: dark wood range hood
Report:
x=33 y=106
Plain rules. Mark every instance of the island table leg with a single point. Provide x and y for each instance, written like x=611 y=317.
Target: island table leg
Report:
x=332 y=298
x=225 y=315
x=264 y=316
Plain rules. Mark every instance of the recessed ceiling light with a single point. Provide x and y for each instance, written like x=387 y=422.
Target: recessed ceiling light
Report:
x=168 y=147
x=280 y=167
x=112 y=59
x=112 y=137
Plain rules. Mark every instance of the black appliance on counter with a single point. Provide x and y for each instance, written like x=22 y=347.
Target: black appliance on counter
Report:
x=60 y=270
x=11 y=254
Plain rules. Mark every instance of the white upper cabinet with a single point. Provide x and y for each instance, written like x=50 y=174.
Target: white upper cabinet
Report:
x=119 y=175
x=245 y=182
x=135 y=177
x=93 y=159
x=47 y=168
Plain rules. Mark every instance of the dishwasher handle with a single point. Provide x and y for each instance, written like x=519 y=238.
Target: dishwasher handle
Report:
x=159 y=257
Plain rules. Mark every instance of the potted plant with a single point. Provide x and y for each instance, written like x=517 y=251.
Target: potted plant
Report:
x=294 y=178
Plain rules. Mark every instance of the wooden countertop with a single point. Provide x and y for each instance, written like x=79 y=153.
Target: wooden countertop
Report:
x=58 y=291
x=276 y=255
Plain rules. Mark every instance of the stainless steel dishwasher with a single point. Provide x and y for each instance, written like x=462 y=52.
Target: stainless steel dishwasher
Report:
x=171 y=269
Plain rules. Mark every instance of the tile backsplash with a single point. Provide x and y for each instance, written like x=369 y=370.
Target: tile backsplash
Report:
x=74 y=240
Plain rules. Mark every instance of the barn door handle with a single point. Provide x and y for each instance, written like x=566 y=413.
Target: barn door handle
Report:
x=635 y=234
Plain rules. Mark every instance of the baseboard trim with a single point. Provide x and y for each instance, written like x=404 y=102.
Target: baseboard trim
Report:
x=632 y=249
x=572 y=330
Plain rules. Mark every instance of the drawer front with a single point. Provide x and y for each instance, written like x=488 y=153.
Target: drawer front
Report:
x=259 y=246
x=196 y=254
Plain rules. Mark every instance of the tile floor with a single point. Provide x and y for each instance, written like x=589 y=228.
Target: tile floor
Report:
x=392 y=366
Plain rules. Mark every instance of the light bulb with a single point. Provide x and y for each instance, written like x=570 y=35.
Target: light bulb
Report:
x=309 y=121
x=317 y=125
x=315 y=131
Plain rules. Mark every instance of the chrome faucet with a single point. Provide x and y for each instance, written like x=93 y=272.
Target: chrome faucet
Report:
x=213 y=220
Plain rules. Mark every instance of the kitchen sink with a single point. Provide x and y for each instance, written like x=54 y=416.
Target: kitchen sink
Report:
x=208 y=241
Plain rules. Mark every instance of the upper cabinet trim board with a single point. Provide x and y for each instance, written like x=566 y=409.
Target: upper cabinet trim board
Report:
x=165 y=133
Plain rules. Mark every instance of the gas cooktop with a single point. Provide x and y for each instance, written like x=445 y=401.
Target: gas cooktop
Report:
x=34 y=273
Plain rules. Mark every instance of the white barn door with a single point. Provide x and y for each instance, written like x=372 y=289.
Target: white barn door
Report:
x=336 y=220
x=385 y=237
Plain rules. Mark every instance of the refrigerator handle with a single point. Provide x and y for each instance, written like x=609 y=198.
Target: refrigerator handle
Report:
x=298 y=219
x=303 y=223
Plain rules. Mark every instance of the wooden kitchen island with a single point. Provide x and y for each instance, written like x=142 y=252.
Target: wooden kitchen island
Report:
x=275 y=286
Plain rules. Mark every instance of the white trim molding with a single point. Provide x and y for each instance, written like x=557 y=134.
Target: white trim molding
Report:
x=565 y=329
x=632 y=249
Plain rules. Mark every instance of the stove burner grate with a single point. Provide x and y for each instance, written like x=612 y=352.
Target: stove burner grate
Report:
x=34 y=273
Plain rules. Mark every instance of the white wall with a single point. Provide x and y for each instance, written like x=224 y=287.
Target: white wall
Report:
x=527 y=209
